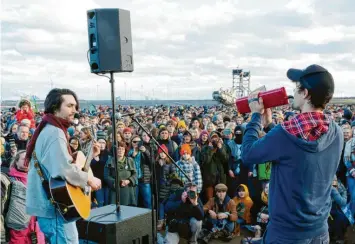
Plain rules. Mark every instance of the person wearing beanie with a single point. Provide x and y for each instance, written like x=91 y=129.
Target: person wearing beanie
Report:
x=203 y=140
x=221 y=215
x=127 y=136
x=196 y=124
x=165 y=170
x=347 y=114
x=189 y=165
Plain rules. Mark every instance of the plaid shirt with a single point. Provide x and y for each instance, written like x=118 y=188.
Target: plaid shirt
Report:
x=192 y=169
x=308 y=126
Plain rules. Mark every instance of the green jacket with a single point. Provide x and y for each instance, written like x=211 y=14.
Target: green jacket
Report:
x=214 y=165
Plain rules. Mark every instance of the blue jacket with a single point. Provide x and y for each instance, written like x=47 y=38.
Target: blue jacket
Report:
x=301 y=177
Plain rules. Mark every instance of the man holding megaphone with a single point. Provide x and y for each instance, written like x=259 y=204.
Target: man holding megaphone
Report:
x=305 y=153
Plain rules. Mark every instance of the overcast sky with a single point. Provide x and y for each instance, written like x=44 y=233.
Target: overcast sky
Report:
x=182 y=49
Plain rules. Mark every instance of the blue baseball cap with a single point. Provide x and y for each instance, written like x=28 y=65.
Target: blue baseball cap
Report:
x=311 y=77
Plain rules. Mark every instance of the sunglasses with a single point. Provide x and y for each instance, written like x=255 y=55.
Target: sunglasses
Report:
x=135 y=141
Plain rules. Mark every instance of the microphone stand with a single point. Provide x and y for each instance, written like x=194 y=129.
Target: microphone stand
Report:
x=154 y=197
x=114 y=148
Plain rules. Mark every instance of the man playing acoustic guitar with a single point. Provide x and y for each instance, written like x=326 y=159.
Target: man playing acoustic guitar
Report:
x=50 y=147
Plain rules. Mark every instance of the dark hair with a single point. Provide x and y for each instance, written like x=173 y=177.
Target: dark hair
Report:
x=24 y=102
x=320 y=94
x=240 y=188
x=55 y=99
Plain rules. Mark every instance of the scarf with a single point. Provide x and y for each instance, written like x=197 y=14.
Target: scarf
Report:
x=137 y=162
x=50 y=119
x=18 y=175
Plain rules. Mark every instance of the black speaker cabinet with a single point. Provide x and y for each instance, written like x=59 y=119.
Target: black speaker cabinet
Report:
x=110 y=40
x=132 y=226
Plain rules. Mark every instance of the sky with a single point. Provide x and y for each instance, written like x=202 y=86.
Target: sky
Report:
x=182 y=49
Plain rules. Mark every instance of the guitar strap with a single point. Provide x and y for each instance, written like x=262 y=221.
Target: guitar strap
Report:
x=45 y=182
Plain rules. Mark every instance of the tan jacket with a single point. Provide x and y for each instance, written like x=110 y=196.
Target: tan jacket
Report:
x=230 y=207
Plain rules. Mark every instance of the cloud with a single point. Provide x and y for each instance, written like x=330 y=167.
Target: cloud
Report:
x=182 y=49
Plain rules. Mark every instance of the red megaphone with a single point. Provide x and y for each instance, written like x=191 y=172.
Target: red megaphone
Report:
x=272 y=98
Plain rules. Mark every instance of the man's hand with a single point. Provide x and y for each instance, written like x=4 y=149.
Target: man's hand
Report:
x=222 y=216
x=353 y=174
x=250 y=174
x=212 y=214
x=256 y=106
x=184 y=196
x=264 y=218
x=96 y=149
x=94 y=183
x=142 y=149
x=231 y=174
x=125 y=183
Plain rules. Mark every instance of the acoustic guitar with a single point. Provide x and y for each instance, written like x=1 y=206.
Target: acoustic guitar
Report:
x=73 y=202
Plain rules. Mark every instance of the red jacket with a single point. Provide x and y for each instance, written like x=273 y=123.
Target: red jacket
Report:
x=20 y=115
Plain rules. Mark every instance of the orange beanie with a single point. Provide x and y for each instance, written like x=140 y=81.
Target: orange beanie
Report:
x=185 y=148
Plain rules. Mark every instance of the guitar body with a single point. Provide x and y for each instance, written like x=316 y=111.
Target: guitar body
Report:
x=72 y=201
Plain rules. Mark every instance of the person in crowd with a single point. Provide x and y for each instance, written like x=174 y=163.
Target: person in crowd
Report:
x=22 y=138
x=340 y=215
x=25 y=112
x=299 y=179
x=24 y=228
x=221 y=215
x=185 y=213
x=98 y=167
x=171 y=145
x=243 y=203
x=189 y=165
x=141 y=158
x=165 y=170
x=127 y=177
x=214 y=164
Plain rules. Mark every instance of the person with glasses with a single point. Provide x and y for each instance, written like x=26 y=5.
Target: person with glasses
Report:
x=74 y=144
x=141 y=157
x=221 y=215
x=127 y=176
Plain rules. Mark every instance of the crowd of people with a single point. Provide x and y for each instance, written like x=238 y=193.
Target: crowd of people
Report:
x=215 y=197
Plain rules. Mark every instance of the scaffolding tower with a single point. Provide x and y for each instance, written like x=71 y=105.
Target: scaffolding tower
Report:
x=241 y=82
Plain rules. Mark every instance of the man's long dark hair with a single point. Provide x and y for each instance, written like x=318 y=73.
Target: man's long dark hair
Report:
x=54 y=100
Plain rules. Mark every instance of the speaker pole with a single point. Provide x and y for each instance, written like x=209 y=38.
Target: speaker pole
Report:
x=114 y=137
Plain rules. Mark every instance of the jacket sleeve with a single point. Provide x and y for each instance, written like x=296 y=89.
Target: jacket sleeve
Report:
x=341 y=201
x=198 y=212
x=110 y=181
x=255 y=150
x=233 y=215
x=173 y=203
x=198 y=177
x=133 y=178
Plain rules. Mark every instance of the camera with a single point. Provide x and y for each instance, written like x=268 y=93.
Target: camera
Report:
x=140 y=144
x=191 y=194
x=214 y=143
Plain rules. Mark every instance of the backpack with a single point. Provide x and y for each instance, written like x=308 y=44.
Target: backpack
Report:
x=16 y=217
x=5 y=195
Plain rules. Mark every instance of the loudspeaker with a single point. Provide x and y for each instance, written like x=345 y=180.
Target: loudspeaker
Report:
x=110 y=40
x=132 y=226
